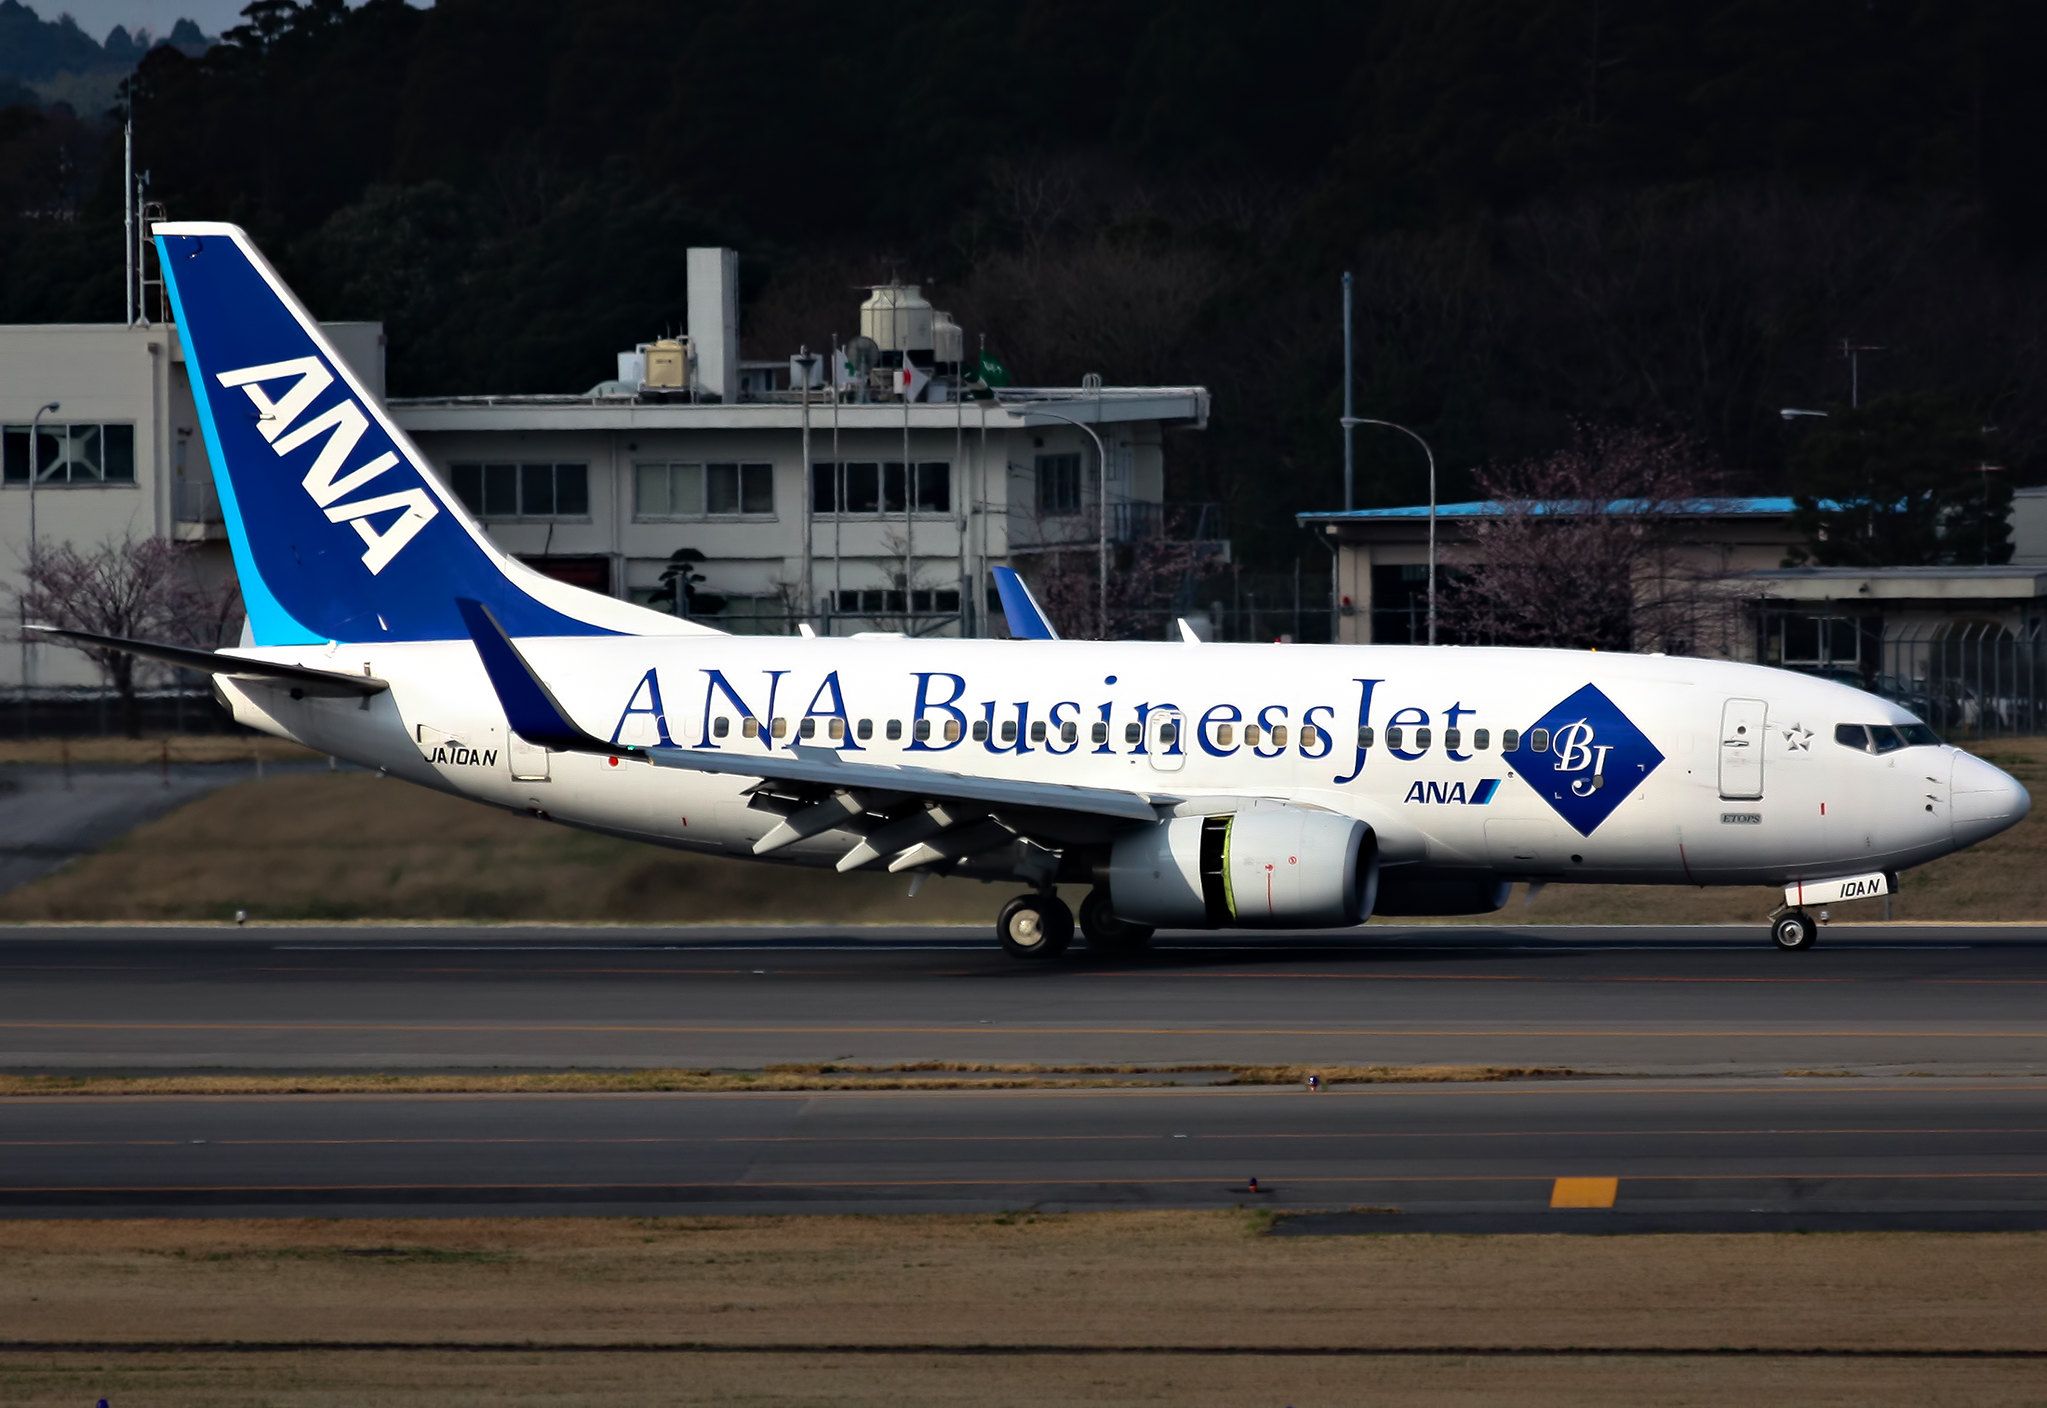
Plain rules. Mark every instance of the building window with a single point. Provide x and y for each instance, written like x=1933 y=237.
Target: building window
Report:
x=523 y=490
x=723 y=490
x=68 y=454
x=1819 y=641
x=880 y=487
x=883 y=601
x=1058 y=485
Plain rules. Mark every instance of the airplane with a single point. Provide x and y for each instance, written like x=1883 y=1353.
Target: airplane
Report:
x=1188 y=785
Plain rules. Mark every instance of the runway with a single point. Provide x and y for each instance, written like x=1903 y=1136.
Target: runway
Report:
x=1895 y=1077
x=1638 y=1154
x=1623 y=1001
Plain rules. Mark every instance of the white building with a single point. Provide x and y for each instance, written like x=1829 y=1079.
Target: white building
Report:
x=688 y=450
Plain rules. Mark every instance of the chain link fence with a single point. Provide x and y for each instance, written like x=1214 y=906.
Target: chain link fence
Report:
x=1965 y=678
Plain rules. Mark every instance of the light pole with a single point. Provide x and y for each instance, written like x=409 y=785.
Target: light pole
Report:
x=1349 y=421
x=35 y=424
x=1102 y=518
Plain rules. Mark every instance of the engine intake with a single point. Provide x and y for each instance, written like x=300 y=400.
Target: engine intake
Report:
x=1265 y=867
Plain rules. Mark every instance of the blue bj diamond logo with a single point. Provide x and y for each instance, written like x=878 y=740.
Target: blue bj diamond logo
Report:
x=1594 y=759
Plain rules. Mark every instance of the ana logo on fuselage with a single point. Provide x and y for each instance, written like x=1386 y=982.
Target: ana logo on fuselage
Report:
x=286 y=426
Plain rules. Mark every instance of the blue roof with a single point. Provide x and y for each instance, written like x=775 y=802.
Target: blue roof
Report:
x=1712 y=507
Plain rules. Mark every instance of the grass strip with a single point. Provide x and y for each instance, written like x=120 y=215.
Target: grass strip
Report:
x=921 y=1075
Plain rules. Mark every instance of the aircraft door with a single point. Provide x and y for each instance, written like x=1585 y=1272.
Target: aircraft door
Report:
x=1742 y=724
x=528 y=760
x=1165 y=739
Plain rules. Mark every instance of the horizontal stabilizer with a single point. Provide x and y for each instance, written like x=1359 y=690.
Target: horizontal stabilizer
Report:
x=304 y=678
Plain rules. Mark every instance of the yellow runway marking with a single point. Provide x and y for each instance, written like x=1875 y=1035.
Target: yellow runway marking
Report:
x=1584 y=1192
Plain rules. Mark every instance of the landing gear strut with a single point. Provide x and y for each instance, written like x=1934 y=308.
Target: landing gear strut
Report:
x=1794 y=931
x=1108 y=936
x=1035 y=926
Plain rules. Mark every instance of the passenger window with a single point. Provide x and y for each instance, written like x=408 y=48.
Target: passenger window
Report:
x=1311 y=736
x=1538 y=740
x=1038 y=731
x=1251 y=735
x=1394 y=737
x=1481 y=739
x=807 y=729
x=1279 y=735
x=1365 y=736
x=1100 y=733
x=751 y=728
x=923 y=730
x=1132 y=733
x=1069 y=732
x=1421 y=740
x=952 y=730
x=721 y=727
x=1510 y=739
x=1009 y=730
x=1452 y=739
x=1224 y=733
x=1169 y=734
x=895 y=730
x=980 y=730
x=781 y=728
x=838 y=730
x=864 y=730
x=1852 y=736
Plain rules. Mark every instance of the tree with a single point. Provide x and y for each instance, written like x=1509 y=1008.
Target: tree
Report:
x=1902 y=482
x=139 y=589
x=680 y=592
x=1147 y=578
x=1581 y=554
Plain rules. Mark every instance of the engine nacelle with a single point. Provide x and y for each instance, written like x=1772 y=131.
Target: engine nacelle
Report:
x=1265 y=867
x=1406 y=895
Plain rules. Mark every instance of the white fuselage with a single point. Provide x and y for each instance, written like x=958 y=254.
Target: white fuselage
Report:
x=1719 y=773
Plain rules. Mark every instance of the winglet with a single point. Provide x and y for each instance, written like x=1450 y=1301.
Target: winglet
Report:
x=1027 y=620
x=530 y=707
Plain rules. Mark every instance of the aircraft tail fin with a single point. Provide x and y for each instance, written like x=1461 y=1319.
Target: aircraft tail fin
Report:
x=340 y=528
x=1027 y=620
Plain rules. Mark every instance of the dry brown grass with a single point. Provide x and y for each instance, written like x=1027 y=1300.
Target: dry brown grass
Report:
x=920 y=1075
x=178 y=747
x=352 y=846
x=985 y=1283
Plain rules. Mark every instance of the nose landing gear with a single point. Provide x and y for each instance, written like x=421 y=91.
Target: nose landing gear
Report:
x=1794 y=931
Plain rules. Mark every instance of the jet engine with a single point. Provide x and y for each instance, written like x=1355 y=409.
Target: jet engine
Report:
x=1403 y=894
x=1263 y=867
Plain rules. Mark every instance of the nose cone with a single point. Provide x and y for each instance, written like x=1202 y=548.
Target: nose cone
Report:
x=1984 y=800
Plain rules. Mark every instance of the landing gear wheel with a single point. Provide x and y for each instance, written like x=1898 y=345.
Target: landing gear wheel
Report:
x=1794 y=931
x=1035 y=927
x=1108 y=936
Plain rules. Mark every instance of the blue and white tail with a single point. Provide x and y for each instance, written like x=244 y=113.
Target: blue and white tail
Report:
x=341 y=530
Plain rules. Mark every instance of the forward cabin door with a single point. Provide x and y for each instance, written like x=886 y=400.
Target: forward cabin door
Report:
x=1741 y=749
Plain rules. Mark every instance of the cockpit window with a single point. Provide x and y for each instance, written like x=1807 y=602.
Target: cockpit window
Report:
x=1885 y=738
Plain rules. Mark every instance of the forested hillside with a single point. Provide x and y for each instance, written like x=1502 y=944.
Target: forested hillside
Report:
x=1655 y=214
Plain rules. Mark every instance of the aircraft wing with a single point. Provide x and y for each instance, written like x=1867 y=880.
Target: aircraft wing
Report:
x=911 y=816
x=304 y=678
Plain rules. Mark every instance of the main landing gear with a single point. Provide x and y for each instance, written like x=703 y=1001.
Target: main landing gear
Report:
x=1041 y=927
x=1107 y=935
x=1035 y=927
x=1794 y=931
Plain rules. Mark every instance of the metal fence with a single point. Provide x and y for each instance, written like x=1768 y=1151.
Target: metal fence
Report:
x=1965 y=678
